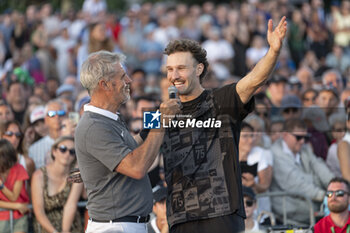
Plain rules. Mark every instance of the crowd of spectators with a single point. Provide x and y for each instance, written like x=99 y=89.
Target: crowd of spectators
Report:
x=307 y=99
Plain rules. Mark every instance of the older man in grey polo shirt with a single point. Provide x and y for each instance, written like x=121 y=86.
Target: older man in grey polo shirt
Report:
x=112 y=165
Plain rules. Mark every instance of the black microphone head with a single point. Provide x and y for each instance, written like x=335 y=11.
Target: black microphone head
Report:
x=172 y=90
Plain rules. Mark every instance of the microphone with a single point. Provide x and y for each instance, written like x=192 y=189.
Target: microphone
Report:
x=172 y=90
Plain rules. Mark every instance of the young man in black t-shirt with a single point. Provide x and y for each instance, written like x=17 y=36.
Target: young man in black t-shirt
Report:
x=201 y=164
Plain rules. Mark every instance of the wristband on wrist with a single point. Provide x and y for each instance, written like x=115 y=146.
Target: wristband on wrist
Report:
x=2 y=186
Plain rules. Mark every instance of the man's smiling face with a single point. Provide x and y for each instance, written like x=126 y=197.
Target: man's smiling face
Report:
x=181 y=72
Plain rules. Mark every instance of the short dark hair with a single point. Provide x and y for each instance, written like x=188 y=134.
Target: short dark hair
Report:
x=247 y=125
x=307 y=91
x=139 y=70
x=149 y=98
x=4 y=127
x=4 y=103
x=293 y=123
x=340 y=180
x=8 y=155
x=12 y=83
x=186 y=45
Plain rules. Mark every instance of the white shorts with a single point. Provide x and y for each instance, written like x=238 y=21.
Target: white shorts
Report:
x=115 y=227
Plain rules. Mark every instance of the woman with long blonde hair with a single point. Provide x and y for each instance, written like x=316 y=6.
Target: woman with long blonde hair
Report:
x=54 y=199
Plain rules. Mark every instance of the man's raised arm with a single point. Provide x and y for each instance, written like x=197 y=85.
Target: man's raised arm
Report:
x=259 y=74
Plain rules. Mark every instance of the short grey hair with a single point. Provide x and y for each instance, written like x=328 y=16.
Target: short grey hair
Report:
x=255 y=118
x=98 y=66
x=328 y=72
x=55 y=101
x=337 y=118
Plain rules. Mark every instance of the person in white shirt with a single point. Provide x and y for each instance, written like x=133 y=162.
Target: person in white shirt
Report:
x=219 y=53
x=39 y=151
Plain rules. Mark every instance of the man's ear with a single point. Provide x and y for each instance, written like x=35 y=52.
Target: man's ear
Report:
x=103 y=84
x=199 y=69
x=154 y=208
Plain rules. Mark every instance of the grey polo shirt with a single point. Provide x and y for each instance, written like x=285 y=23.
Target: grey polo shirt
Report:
x=101 y=143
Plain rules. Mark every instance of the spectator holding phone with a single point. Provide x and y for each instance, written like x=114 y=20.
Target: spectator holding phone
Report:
x=255 y=158
x=260 y=180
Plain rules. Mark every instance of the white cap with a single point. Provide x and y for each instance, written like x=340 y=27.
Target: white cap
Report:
x=38 y=113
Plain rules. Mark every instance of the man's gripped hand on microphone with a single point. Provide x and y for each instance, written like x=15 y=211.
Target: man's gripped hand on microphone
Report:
x=170 y=108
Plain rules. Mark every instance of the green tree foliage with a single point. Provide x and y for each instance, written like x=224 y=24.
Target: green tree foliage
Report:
x=21 y=5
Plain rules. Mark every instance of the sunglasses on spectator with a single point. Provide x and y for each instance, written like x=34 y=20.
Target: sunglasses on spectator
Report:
x=295 y=86
x=10 y=134
x=338 y=193
x=249 y=203
x=330 y=83
x=54 y=113
x=300 y=137
x=64 y=149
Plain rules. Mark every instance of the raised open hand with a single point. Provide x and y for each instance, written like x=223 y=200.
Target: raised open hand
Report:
x=275 y=37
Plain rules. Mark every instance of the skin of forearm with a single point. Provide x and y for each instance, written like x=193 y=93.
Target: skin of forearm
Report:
x=9 y=205
x=70 y=208
x=260 y=188
x=45 y=222
x=144 y=155
x=68 y=217
x=257 y=77
x=263 y=69
x=137 y=162
x=9 y=194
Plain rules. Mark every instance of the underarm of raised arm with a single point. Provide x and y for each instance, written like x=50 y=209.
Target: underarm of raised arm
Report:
x=257 y=77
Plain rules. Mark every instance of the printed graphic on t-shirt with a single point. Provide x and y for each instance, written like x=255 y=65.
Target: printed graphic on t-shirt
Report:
x=198 y=184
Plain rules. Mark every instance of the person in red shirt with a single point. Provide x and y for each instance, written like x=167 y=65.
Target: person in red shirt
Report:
x=13 y=194
x=338 y=201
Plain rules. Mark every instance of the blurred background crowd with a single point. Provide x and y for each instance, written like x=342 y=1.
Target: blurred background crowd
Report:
x=42 y=49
